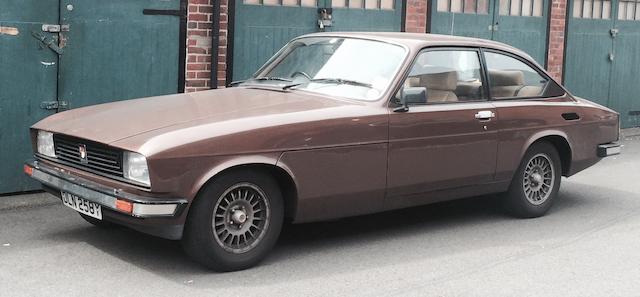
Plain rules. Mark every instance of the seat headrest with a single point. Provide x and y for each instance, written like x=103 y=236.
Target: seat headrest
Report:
x=412 y=82
x=444 y=81
x=501 y=78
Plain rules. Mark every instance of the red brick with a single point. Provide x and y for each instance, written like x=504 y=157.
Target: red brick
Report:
x=203 y=74
x=205 y=9
x=196 y=66
x=198 y=17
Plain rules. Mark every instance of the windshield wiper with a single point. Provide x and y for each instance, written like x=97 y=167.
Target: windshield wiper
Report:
x=339 y=81
x=261 y=78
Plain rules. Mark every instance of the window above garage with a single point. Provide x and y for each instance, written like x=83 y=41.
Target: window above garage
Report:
x=629 y=10
x=592 y=9
x=521 y=7
x=464 y=6
x=366 y=4
x=294 y=3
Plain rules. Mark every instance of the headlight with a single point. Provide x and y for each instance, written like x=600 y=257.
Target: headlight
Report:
x=135 y=168
x=45 y=144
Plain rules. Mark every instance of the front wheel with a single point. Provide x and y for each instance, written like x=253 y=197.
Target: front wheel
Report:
x=235 y=221
x=536 y=183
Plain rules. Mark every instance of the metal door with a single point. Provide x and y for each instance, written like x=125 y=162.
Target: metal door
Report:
x=118 y=49
x=523 y=24
x=462 y=18
x=520 y=23
x=261 y=27
x=64 y=54
x=625 y=73
x=601 y=55
x=28 y=70
x=589 y=50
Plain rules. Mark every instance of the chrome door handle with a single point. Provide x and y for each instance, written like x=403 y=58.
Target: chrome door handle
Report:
x=485 y=115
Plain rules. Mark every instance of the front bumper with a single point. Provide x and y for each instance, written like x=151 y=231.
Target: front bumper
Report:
x=155 y=216
x=609 y=149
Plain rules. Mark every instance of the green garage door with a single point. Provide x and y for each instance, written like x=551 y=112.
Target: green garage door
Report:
x=602 y=61
x=56 y=55
x=520 y=23
x=261 y=27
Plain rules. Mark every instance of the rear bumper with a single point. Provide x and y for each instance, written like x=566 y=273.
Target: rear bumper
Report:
x=609 y=149
x=151 y=215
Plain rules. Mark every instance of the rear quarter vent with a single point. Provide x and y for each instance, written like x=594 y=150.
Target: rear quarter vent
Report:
x=570 y=116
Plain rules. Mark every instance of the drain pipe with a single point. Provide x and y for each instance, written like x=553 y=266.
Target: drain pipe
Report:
x=215 y=42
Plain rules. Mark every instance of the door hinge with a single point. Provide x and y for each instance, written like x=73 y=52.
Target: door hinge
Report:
x=55 y=28
x=59 y=105
x=325 y=18
x=614 y=32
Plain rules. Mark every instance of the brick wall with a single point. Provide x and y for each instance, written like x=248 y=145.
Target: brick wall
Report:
x=416 y=16
x=556 y=38
x=199 y=20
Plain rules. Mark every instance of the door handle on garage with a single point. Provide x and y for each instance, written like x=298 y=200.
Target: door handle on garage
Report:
x=485 y=115
x=49 y=42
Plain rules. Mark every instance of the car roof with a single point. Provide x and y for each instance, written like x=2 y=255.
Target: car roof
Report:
x=417 y=41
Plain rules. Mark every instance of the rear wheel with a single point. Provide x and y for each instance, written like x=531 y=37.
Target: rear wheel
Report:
x=536 y=183
x=235 y=221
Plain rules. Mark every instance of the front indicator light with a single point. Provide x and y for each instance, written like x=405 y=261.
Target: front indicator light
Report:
x=28 y=170
x=124 y=206
x=145 y=210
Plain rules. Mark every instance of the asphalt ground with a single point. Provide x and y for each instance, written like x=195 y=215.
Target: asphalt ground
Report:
x=588 y=245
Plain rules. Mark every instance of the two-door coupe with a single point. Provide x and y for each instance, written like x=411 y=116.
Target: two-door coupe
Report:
x=334 y=125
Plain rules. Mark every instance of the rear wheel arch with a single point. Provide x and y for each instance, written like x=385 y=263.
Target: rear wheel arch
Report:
x=562 y=146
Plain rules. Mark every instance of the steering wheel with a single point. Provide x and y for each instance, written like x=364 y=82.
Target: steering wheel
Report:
x=302 y=73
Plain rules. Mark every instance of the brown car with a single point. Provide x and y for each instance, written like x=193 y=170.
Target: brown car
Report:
x=334 y=125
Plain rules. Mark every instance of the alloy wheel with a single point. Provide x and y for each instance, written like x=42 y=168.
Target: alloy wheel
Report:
x=538 y=180
x=241 y=218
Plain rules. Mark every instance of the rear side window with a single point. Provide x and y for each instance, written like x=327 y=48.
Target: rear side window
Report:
x=448 y=76
x=512 y=78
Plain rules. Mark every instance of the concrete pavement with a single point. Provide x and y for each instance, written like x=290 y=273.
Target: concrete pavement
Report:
x=588 y=245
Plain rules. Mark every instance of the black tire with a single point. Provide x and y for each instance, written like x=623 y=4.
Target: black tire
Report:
x=205 y=246
x=520 y=200
x=97 y=223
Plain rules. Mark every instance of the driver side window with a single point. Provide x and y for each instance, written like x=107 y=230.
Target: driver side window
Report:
x=447 y=75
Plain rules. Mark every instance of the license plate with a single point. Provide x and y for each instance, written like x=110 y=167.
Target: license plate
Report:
x=82 y=205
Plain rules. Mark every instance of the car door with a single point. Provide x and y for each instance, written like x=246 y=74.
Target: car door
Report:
x=449 y=141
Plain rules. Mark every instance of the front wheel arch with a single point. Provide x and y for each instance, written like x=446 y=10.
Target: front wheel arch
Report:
x=283 y=178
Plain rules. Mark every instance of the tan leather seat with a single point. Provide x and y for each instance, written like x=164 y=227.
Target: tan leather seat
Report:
x=440 y=86
x=529 y=91
x=506 y=83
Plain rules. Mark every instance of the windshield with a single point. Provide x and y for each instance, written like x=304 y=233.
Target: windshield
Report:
x=353 y=68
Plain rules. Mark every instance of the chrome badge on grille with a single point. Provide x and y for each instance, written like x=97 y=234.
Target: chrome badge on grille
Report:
x=83 y=153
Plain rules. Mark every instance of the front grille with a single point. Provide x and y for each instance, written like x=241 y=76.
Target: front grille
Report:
x=100 y=158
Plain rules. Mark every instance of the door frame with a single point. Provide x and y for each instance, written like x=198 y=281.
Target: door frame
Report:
x=548 y=14
x=231 y=21
x=182 y=41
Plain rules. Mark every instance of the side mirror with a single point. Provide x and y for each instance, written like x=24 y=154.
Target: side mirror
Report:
x=411 y=95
